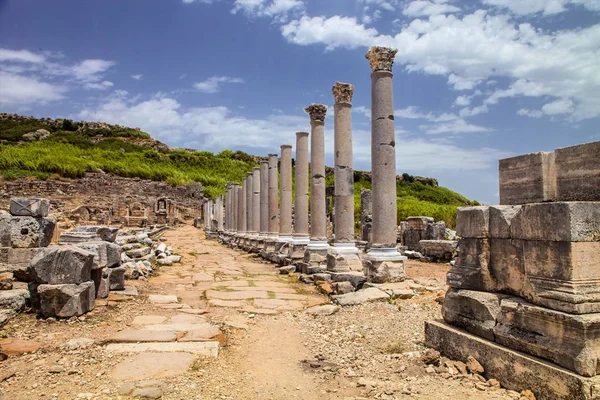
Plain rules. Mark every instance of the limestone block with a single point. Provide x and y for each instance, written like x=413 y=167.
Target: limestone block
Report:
x=17 y=261
x=561 y=222
x=473 y=222
x=101 y=277
x=474 y=311
x=4 y=229
x=77 y=237
x=99 y=250
x=27 y=232
x=419 y=223
x=62 y=264
x=28 y=207
x=384 y=271
x=472 y=267
x=500 y=220
x=507 y=268
x=440 y=250
x=106 y=233
x=571 y=341
x=411 y=238
x=117 y=278
x=578 y=172
x=139 y=253
x=113 y=255
x=66 y=300
x=530 y=178
x=15 y=299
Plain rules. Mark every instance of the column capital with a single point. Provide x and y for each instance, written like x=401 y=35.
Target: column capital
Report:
x=317 y=112
x=256 y=169
x=300 y=134
x=248 y=174
x=286 y=146
x=342 y=92
x=381 y=58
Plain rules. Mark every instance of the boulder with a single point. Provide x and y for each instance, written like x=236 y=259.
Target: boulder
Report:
x=66 y=300
x=117 y=278
x=28 y=232
x=62 y=264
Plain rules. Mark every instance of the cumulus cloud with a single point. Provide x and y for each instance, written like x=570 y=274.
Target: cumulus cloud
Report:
x=20 y=90
x=529 y=113
x=20 y=56
x=545 y=7
x=278 y=9
x=212 y=84
x=137 y=77
x=420 y=8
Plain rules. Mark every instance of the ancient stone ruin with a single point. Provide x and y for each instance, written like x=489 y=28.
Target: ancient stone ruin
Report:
x=525 y=281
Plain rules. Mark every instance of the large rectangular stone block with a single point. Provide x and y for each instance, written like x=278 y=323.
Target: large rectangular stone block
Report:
x=472 y=267
x=507 y=268
x=561 y=222
x=26 y=232
x=29 y=207
x=62 y=264
x=17 y=261
x=571 y=341
x=100 y=277
x=66 y=300
x=514 y=370
x=4 y=229
x=472 y=310
x=500 y=220
x=530 y=178
x=578 y=172
x=473 y=222
x=106 y=233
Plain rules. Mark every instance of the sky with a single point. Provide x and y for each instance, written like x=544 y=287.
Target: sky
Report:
x=474 y=81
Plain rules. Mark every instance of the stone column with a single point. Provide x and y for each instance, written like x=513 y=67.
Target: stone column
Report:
x=269 y=248
x=255 y=207
x=264 y=198
x=241 y=217
x=317 y=248
x=285 y=193
x=300 y=240
x=366 y=216
x=226 y=210
x=249 y=208
x=219 y=213
x=234 y=208
x=383 y=262
x=344 y=255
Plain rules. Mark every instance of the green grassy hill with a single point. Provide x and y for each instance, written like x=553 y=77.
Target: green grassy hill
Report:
x=72 y=149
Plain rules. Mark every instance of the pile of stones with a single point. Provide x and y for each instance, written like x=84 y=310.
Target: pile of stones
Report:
x=25 y=232
x=424 y=239
x=140 y=248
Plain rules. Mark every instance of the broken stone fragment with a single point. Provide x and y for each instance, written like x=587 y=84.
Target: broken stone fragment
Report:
x=29 y=207
x=66 y=300
x=28 y=232
x=62 y=264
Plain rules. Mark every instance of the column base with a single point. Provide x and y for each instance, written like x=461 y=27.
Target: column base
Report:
x=514 y=370
x=316 y=252
x=382 y=265
x=298 y=247
x=344 y=257
x=269 y=247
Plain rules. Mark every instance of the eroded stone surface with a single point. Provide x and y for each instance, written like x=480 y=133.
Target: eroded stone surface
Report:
x=152 y=364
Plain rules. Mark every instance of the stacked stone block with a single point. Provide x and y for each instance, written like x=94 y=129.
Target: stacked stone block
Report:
x=528 y=276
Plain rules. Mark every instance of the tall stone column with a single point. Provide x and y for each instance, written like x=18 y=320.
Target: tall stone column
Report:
x=264 y=198
x=285 y=194
x=241 y=215
x=273 y=185
x=366 y=216
x=249 y=208
x=383 y=262
x=234 y=208
x=317 y=248
x=343 y=257
x=255 y=207
x=300 y=240
x=219 y=213
x=226 y=210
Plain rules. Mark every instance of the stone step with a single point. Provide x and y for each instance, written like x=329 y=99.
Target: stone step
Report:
x=204 y=348
x=175 y=327
x=141 y=335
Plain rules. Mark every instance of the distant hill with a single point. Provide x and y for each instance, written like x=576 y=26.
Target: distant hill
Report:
x=51 y=148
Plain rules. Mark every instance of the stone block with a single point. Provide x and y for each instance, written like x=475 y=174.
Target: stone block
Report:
x=117 y=278
x=411 y=238
x=507 y=268
x=439 y=250
x=29 y=207
x=77 y=237
x=419 y=223
x=99 y=250
x=571 y=341
x=472 y=267
x=66 y=300
x=474 y=311
x=473 y=222
x=139 y=253
x=4 y=229
x=357 y=279
x=27 y=232
x=384 y=271
x=62 y=264
x=530 y=178
x=101 y=277
x=15 y=299
x=578 y=172
x=17 y=261
x=561 y=222
x=500 y=221
x=515 y=371
x=113 y=255
x=106 y=233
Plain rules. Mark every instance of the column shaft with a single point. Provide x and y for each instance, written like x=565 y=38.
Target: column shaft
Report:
x=249 y=206
x=318 y=218
x=285 y=219
x=273 y=197
x=301 y=204
x=264 y=198
x=256 y=200
x=235 y=208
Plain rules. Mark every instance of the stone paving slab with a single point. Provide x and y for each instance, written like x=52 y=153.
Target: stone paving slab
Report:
x=147 y=364
x=241 y=295
x=360 y=297
x=207 y=348
x=286 y=290
x=195 y=311
x=203 y=278
x=13 y=346
x=279 y=304
x=162 y=298
x=226 y=303
x=148 y=319
x=254 y=310
x=129 y=291
x=141 y=335
x=187 y=319
x=290 y=296
x=175 y=327
x=207 y=332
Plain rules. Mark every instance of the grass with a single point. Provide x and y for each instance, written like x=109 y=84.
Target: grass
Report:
x=271 y=294
x=396 y=347
x=68 y=154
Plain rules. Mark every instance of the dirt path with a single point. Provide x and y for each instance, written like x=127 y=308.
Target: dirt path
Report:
x=270 y=348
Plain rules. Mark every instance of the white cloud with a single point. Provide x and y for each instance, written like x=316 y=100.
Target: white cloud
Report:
x=199 y=1
x=98 y=85
x=462 y=100
x=278 y=9
x=20 y=90
x=455 y=126
x=530 y=113
x=471 y=112
x=137 y=77
x=90 y=70
x=334 y=32
x=388 y=5
x=546 y=7
x=419 y=8
x=460 y=83
x=561 y=106
x=24 y=56
x=211 y=85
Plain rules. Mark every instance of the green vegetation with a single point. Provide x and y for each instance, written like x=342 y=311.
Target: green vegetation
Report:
x=70 y=153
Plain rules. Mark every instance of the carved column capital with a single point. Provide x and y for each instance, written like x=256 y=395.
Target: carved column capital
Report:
x=317 y=112
x=381 y=58
x=342 y=92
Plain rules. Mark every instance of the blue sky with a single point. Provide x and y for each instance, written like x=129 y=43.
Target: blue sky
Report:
x=474 y=81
